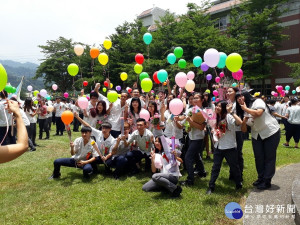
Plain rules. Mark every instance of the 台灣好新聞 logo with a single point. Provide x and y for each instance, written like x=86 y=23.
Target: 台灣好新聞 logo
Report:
x=233 y=211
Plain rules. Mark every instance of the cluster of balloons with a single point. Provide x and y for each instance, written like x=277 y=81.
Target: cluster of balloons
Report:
x=10 y=89
x=172 y=57
x=185 y=80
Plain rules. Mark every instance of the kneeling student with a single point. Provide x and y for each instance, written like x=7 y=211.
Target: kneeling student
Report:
x=83 y=154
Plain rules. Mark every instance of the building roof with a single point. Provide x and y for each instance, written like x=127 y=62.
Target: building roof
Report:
x=145 y=13
x=223 y=6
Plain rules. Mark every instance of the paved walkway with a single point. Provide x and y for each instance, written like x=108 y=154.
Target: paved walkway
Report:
x=272 y=206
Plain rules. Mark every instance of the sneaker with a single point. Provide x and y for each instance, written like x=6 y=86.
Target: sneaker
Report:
x=32 y=149
x=202 y=175
x=176 y=193
x=263 y=186
x=54 y=176
x=210 y=191
x=286 y=145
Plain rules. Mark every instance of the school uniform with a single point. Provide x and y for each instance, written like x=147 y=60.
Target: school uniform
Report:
x=32 y=127
x=170 y=127
x=27 y=125
x=59 y=109
x=92 y=121
x=82 y=152
x=5 y=119
x=265 y=139
x=43 y=126
x=114 y=118
x=293 y=123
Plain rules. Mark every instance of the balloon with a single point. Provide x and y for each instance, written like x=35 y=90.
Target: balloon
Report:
x=190 y=85
x=286 y=91
x=67 y=117
x=105 y=83
x=139 y=58
x=103 y=59
x=123 y=76
x=146 y=84
x=48 y=97
x=43 y=92
x=85 y=83
x=3 y=77
x=176 y=106
x=35 y=93
x=222 y=74
x=8 y=88
x=94 y=52
x=112 y=96
x=182 y=63
x=275 y=94
x=293 y=92
x=197 y=61
x=138 y=68
x=208 y=77
x=162 y=75
x=13 y=90
x=107 y=44
x=217 y=100
x=190 y=75
x=155 y=78
x=83 y=102
x=204 y=67
x=178 y=52
x=211 y=57
x=66 y=94
x=35 y=102
x=111 y=85
x=144 y=114
x=208 y=91
x=164 y=83
x=234 y=62
x=73 y=69
x=50 y=108
x=147 y=38
x=287 y=87
x=78 y=49
x=181 y=79
x=158 y=161
x=104 y=89
x=54 y=87
x=215 y=93
x=234 y=84
x=171 y=58
x=129 y=90
x=118 y=88
x=222 y=62
x=29 y=88
x=213 y=99
x=143 y=75
x=238 y=75
x=298 y=89
x=279 y=88
x=217 y=79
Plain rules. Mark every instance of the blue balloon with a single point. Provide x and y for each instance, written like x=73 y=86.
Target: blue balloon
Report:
x=293 y=92
x=222 y=61
x=214 y=98
x=162 y=75
x=171 y=58
x=197 y=61
x=147 y=38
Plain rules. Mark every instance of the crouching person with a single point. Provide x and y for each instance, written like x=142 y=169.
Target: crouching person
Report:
x=83 y=154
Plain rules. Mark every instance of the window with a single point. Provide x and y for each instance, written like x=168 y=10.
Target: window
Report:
x=221 y=23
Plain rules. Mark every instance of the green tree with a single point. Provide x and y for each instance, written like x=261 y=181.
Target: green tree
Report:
x=295 y=73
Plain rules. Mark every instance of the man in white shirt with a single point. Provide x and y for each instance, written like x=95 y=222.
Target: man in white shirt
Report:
x=83 y=154
x=59 y=108
x=5 y=119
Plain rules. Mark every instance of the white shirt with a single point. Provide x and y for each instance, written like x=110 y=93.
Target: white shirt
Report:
x=92 y=121
x=129 y=102
x=3 y=111
x=59 y=109
x=238 y=127
x=195 y=134
x=115 y=114
x=228 y=140
x=105 y=146
x=32 y=119
x=294 y=114
x=81 y=150
x=144 y=142
x=265 y=125
x=24 y=118
x=40 y=114
x=278 y=109
x=171 y=128
x=284 y=107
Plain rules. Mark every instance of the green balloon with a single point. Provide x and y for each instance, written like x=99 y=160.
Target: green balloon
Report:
x=3 y=77
x=182 y=63
x=112 y=96
x=222 y=61
x=104 y=89
x=234 y=62
x=8 y=89
x=138 y=68
x=146 y=84
x=178 y=52
x=73 y=69
x=143 y=75
x=13 y=90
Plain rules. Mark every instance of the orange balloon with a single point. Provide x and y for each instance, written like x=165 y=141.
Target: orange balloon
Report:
x=94 y=52
x=164 y=83
x=67 y=117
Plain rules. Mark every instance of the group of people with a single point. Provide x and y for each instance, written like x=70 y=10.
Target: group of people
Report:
x=118 y=136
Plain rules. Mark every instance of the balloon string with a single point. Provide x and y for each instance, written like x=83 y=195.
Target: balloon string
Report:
x=80 y=68
x=215 y=71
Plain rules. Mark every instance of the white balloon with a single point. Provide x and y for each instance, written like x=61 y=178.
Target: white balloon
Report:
x=78 y=49
x=211 y=57
x=29 y=88
x=298 y=89
x=43 y=92
x=190 y=85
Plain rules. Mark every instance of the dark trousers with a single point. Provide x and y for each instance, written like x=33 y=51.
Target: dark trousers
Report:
x=49 y=121
x=43 y=126
x=9 y=139
x=239 y=148
x=265 y=156
x=30 y=143
x=32 y=133
x=76 y=124
x=119 y=162
x=136 y=156
x=193 y=154
x=59 y=125
x=231 y=157
x=292 y=130
x=115 y=133
x=70 y=162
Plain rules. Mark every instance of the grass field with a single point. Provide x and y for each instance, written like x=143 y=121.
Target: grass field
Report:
x=28 y=197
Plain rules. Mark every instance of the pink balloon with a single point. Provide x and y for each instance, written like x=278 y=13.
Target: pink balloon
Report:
x=283 y=94
x=238 y=75
x=83 y=102
x=217 y=79
x=279 y=88
x=145 y=114
x=217 y=100
x=275 y=94
x=190 y=75
x=215 y=93
x=181 y=79
x=222 y=74
x=54 y=87
x=176 y=106
x=88 y=97
x=66 y=94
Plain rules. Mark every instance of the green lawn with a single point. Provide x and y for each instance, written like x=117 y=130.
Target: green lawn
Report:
x=28 y=197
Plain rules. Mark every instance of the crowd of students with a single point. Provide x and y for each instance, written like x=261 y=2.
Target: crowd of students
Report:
x=114 y=134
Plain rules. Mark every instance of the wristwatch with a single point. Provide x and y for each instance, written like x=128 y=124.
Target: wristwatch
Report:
x=231 y=113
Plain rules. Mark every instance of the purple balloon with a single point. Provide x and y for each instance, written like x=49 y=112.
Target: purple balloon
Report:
x=204 y=67
x=118 y=88
x=208 y=77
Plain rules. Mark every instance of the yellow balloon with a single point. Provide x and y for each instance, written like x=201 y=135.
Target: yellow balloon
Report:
x=123 y=76
x=103 y=59
x=107 y=44
x=119 y=95
x=111 y=85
